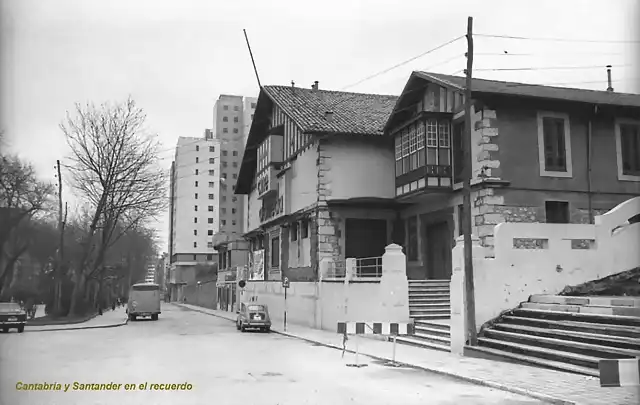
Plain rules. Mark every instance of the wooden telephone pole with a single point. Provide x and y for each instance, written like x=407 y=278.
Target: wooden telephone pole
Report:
x=62 y=216
x=470 y=306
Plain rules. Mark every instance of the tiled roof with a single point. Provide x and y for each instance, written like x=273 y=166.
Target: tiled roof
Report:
x=353 y=113
x=536 y=91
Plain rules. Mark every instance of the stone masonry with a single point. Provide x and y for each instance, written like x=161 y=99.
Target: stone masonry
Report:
x=486 y=145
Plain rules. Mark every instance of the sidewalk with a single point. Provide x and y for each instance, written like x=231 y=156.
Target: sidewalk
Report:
x=108 y=319
x=548 y=385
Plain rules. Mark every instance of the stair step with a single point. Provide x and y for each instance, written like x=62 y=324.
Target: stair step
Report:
x=575 y=316
x=429 y=292
x=420 y=329
x=441 y=325
x=540 y=352
x=423 y=343
x=445 y=311
x=612 y=330
x=568 y=345
x=430 y=299
x=418 y=317
x=429 y=282
x=588 y=301
x=419 y=305
x=536 y=360
x=584 y=337
x=586 y=309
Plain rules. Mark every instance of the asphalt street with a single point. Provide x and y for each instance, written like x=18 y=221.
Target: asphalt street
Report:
x=221 y=365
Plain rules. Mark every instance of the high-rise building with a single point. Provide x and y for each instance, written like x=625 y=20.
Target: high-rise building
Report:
x=203 y=207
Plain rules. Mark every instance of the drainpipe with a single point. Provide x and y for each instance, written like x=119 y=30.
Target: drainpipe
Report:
x=589 y=166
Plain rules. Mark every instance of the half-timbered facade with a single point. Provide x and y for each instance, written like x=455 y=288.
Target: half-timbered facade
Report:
x=307 y=158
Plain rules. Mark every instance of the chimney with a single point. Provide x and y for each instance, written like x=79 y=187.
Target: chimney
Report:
x=293 y=85
x=328 y=115
x=609 y=78
x=314 y=86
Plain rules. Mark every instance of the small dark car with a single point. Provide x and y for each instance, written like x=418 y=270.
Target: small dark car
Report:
x=253 y=316
x=12 y=316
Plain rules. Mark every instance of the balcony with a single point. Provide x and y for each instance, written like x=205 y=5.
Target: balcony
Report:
x=424 y=156
x=267 y=183
x=270 y=157
x=271 y=209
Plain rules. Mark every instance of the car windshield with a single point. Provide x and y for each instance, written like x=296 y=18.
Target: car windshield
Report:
x=255 y=308
x=9 y=307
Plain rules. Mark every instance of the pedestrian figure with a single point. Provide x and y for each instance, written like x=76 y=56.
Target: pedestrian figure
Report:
x=113 y=306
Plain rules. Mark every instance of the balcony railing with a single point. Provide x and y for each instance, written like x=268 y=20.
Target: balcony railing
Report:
x=361 y=269
x=369 y=267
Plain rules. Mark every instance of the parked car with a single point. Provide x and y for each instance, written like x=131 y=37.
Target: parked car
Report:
x=253 y=316
x=12 y=316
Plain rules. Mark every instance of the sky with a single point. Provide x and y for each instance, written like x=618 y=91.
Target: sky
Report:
x=176 y=57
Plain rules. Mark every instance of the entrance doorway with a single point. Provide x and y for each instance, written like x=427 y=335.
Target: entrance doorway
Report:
x=438 y=251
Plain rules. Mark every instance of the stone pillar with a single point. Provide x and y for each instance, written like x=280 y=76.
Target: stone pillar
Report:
x=328 y=229
x=458 y=326
x=350 y=269
x=394 y=286
x=486 y=213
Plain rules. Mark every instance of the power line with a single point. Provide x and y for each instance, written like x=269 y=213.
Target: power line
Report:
x=505 y=53
x=558 y=39
x=548 y=68
x=404 y=62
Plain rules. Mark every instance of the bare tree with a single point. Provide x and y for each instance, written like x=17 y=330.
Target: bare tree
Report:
x=22 y=196
x=115 y=168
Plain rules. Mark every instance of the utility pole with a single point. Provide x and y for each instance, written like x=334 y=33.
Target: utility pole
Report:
x=466 y=202
x=60 y=255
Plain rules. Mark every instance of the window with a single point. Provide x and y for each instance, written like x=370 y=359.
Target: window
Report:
x=210 y=208
x=196 y=196
x=234 y=164
x=209 y=257
x=235 y=119
x=225 y=107
x=235 y=108
x=195 y=245
x=195 y=232
x=275 y=252
x=557 y=212
x=211 y=196
x=212 y=184
x=212 y=161
x=234 y=199
x=224 y=164
x=210 y=220
x=293 y=232
x=210 y=231
x=410 y=146
x=195 y=220
x=225 y=130
x=225 y=119
x=197 y=148
x=196 y=184
x=235 y=130
x=233 y=222
x=223 y=211
x=235 y=153
x=224 y=175
x=223 y=198
x=554 y=145
x=195 y=257
x=304 y=230
x=212 y=148
x=628 y=149
x=195 y=208
x=197 y=172
x=224 y=153
x=235 y=176
x=252 y=117
x=223 y=222
x=412 y=239
x=212 y=173
x=253 y=105
x=233 y=210
x=210 y=245
x=197 y=159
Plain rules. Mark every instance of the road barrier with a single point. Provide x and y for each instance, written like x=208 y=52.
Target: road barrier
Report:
x=392 y=329
x=620 y=373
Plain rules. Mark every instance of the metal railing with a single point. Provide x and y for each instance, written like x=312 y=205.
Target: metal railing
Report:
x=369 y=267
x=336 y=270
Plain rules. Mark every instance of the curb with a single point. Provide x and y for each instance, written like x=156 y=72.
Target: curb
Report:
x=114 y=325
x=60 y=324
x=477 y=381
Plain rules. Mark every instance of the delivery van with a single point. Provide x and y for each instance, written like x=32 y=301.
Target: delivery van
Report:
x=144 y=300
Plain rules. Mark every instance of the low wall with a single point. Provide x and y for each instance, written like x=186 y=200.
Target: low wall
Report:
x=543 y=259
x=301 y=302
x=203 y=294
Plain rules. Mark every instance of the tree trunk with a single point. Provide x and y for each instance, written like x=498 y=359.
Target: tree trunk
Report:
x=78 y=289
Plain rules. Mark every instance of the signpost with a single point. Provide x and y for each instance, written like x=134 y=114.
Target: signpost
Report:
x=285 y=285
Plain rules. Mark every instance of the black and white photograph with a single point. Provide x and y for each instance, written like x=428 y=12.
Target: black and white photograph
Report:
x=324 y=203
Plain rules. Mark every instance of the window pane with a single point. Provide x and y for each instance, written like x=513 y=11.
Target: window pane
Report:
x=432 y=133
x=443 y=135
x=421 y=155
x=405 y=142
x=399 y=167
x=431 y=156
x=413 y=141
x=420 y=134
x=443 y=157
x=414 y=161
x=398 y=140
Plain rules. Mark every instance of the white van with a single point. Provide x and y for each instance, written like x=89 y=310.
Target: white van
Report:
x=144 y=300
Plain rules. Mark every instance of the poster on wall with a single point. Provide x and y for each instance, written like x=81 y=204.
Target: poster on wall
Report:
x=257 y=268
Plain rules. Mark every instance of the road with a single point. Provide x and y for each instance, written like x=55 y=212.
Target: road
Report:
x=222 y=365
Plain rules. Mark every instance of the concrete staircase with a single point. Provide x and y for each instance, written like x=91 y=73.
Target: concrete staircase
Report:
x=565 y=333
x=429 y=307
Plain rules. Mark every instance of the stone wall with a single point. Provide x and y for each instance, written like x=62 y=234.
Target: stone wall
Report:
x=486 y=141
x=328 y=233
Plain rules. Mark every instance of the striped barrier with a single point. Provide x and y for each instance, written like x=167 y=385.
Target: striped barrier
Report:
x=620 y=373
x=373 y=328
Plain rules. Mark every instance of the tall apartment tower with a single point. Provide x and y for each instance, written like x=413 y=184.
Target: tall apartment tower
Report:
x=232 y=117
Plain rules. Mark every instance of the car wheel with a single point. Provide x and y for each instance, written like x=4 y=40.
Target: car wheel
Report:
x=20 y=328
x=134 y=317
x=5 y=330
x=267 y=329
x=242 y=328
x=237 y=325
x=154 y=317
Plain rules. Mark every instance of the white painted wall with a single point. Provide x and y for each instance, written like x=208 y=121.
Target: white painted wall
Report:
x=302 y=180
x=360 y=169
x=503 y=282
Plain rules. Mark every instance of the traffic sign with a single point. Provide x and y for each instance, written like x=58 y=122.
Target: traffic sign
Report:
x=285 y=282
x=242 y=283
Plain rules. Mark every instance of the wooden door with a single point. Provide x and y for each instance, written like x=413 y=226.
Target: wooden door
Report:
x=439 y=251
